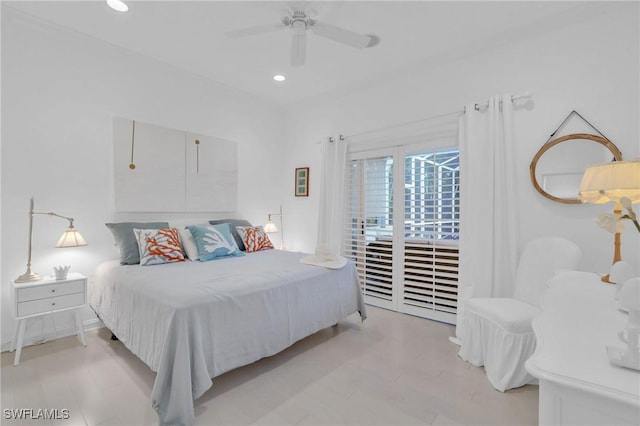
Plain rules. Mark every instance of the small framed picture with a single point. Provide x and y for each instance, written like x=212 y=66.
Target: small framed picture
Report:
x=302 y=182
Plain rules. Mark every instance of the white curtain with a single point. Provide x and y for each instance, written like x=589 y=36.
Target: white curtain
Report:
x=488 y=203
x=332 y=198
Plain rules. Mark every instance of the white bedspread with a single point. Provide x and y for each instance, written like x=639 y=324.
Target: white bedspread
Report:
x=192 y=321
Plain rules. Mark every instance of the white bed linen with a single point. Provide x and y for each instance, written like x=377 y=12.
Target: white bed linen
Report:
x=192 y=321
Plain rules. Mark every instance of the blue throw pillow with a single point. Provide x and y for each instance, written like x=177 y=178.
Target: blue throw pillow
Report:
x=233 y=223
x=214 y=241
x=126 y=240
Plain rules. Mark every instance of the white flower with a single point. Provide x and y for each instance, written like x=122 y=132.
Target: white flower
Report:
x=625 y=202
x=611 y=222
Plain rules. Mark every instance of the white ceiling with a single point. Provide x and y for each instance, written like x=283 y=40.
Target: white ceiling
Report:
x=191 y=35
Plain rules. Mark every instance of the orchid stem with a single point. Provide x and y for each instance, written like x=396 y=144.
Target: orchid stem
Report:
x=635 y=222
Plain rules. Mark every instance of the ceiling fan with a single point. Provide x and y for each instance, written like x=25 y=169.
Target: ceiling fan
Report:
x=301 y=20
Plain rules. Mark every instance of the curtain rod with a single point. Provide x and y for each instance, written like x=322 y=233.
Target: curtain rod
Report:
x=524 y=95
x=477 y=107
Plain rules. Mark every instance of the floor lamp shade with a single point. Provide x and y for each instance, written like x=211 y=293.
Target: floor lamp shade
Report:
x=270 y=227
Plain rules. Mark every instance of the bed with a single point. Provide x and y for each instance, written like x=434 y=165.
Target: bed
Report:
x=192 y=321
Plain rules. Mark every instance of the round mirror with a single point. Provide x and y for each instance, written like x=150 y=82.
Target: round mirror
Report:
x=557 y=168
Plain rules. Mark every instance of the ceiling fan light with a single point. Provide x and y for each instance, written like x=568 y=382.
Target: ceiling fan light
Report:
x=118 y=5
x=298 y=26
x=279 y=78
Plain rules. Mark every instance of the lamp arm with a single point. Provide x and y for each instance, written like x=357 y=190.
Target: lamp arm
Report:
x=275 y=214
x=70 y=219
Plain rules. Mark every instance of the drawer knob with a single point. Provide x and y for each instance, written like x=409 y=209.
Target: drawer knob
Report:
x=53 y=304
x=53 y=291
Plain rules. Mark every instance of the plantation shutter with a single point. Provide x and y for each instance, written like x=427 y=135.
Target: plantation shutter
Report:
x=431 y=222
x=369 y=231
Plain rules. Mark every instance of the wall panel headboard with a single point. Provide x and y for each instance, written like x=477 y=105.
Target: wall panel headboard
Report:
x=157 y=169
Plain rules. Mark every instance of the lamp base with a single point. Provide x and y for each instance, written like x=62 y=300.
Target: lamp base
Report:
x=28 y=277
x=605 y=279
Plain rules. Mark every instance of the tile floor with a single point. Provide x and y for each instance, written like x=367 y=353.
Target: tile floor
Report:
x=393 y=369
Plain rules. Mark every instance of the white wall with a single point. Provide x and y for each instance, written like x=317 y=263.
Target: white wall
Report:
x=60 y=91
x=591 y=65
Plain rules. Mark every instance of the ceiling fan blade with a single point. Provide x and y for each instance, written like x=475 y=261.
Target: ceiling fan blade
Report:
x=359 y=41
x=257 y=30
x=298 y=48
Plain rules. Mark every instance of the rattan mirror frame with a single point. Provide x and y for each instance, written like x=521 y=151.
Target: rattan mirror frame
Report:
x=617 y=155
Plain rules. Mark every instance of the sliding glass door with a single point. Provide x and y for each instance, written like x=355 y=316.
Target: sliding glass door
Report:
x=402 y=228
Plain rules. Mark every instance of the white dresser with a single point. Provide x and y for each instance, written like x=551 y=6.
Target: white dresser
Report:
x=45 y=297
x=578 y=385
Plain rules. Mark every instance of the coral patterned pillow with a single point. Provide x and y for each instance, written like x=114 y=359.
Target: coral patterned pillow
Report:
x=159 y=246
x=254 y=238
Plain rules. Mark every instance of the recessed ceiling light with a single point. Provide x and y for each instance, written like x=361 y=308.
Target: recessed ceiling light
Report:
x=279 y=77
x=118 y=5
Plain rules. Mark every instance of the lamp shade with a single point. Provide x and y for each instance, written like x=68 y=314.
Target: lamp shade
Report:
x=71 y=238
x=270 y=227
x=602 y=183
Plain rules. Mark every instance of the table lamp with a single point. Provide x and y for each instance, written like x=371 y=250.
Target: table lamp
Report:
x=610 y=182
x=70 y=238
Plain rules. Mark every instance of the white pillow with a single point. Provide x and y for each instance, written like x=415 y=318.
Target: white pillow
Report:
x=189 y=244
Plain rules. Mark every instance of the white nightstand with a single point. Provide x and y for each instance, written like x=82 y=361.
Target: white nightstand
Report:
x=46 y=297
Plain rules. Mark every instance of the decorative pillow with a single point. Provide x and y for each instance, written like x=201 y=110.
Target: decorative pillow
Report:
x=188 y=244
x=254 y=238
x=214 y=241
x=233 y=223
x=159 y=246
x=126 y=240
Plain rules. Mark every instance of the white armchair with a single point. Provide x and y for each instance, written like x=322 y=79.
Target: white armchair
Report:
x=497 y=333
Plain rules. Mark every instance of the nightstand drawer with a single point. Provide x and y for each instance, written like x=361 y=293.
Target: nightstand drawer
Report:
x=49 y=304
x=47 y=291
